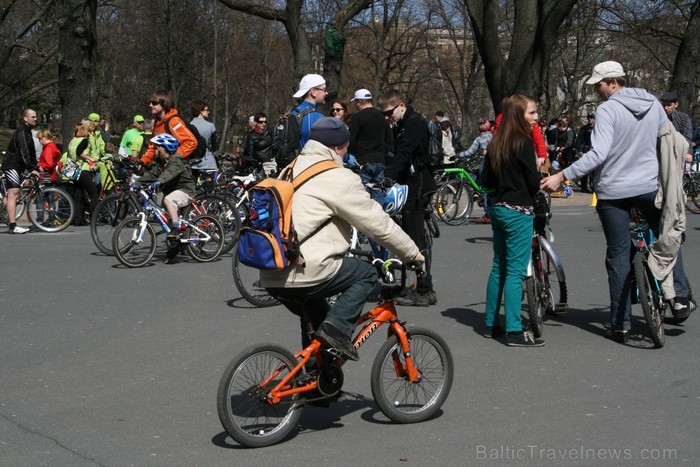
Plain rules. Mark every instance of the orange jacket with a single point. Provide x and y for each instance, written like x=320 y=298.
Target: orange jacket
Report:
x=178 y=129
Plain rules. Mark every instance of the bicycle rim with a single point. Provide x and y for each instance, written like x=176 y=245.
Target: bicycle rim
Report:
x=130 y=252
x=51 y=209
x=199 y=249
x=400 y=399
x=247 y=281
x=536 y=306
x=242 y=403
x=650 y=300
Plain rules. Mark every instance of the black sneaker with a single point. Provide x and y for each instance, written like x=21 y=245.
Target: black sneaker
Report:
x=432 y=298
x=682 y=307
x=523 y=339
x=493 y=331
x=333 y=338
x=618 y=336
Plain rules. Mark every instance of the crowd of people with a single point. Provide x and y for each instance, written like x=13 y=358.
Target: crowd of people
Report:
x=615 y=154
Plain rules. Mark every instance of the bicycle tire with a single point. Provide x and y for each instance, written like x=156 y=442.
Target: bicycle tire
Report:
x=247 y=281
x=555 y=280
x=205 y=251
x=244 y=411
x=130 y=253
x=455 y=202
x=225 y=211
x=691 y=187
x=51 y=209
x=107 y=215
x=401 y=400
x=534 y=291
x=649 y=300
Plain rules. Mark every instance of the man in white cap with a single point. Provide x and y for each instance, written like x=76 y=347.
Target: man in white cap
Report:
x=370 y=141
x=313 y=91
x=623 y=158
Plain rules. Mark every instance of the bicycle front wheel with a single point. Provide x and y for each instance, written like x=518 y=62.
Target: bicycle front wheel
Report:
x=133 y=246
x=534 y=292
x=108 y=214
x=247 y=282
x=554 y=280
x=244 y=409
x=197 y=247
x=650 y=299
x=400 y=399
x=51 y=209
x=224 y=210
x=454 y=202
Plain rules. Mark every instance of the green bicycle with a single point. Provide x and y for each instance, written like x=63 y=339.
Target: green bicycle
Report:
x=454 y=200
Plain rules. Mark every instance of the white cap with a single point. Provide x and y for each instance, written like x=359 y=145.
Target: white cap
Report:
x=606 y=70
x=362 y=94
x=308 y=82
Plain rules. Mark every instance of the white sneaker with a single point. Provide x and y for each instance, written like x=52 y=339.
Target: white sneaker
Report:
x=19 y=230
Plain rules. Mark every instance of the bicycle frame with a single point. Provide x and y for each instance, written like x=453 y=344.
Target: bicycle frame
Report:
x=465 y=175
x=160 y=215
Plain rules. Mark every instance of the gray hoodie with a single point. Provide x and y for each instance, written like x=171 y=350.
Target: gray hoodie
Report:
x=623 y=143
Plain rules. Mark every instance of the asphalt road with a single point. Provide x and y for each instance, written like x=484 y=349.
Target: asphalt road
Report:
x=103 y=365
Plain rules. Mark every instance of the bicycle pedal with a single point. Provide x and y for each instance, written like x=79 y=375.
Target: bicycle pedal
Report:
x=333 y=352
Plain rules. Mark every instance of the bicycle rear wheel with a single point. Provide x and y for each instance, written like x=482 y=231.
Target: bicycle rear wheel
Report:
x=555 y=280
x=131 y=247
x=247 y=282
x=454 y=202
x=242 y=404
x=401 y=400
x=224 y=210
x=202 y=250
x=650 y=299
x=536 y=301
x=51 y=209
x=108 y=214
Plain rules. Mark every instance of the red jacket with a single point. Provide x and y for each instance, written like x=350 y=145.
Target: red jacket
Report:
x=178 y=129
x=49 y=158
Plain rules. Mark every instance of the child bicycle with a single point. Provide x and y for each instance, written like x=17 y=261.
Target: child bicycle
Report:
x=134 y=239
x=263 y=389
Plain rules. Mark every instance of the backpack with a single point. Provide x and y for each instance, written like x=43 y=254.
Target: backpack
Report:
x=286 y=137
x=435 y=153
x=268 y=241
x=201 y=150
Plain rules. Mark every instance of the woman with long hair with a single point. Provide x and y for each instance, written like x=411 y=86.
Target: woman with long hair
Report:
x=339 y=110
x=510 y=170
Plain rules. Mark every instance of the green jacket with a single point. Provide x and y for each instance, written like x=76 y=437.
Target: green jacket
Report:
x=173 y=176
x=97 y=145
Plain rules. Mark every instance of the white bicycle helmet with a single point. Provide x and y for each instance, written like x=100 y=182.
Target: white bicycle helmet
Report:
x=395 y=199
x=168 y=141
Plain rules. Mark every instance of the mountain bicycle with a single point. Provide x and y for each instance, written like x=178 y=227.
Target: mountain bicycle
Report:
x=134 y=239
x=691 y=188
x=48 y=208
x=454 y=200
x=263 y=390
x=545 y=281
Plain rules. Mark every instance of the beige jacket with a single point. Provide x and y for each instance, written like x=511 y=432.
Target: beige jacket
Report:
x=339 y=195
x=672 y=148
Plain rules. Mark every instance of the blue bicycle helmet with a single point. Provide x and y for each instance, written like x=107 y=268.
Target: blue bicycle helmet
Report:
x=168 y=141
x=395 y=199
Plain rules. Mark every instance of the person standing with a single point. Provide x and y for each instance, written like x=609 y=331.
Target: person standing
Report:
x=130 y=135
x=681 y=120
x=95 y=141
x=167 y=120
x=200 y=111
x=50 y=154
x=259 y=145
x=339 y=109
x=19 y=157
x=312 y=92
x=511 y=171
x=583 y=145
x=624 y=157
x=411 y=166
x=370 y=141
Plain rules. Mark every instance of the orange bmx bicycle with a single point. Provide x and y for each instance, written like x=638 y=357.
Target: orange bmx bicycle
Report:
x=263 y=390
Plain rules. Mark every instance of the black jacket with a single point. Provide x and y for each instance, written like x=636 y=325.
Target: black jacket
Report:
x=518 y=181
x=410 y=165
x=369 y=136
x=259 y=147
x=20 y=154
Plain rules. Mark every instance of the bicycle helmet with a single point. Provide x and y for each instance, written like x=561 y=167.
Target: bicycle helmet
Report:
x=168 y=141
x=395 y=199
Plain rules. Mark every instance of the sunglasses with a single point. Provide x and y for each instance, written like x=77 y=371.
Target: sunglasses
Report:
x=338 y=109
x=390 y=112
x=154 y=102
x=262 y=122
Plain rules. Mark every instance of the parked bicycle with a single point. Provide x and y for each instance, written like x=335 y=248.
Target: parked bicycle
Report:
x=454 y=200
x=263 y=390
x=48 y=208
x=134 y=239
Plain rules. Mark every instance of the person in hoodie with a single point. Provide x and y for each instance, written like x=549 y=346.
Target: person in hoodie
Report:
x=625 y=172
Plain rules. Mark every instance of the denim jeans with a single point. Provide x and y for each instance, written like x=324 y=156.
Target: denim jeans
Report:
x=355 y=280
x=512 y=241
x=373 y=172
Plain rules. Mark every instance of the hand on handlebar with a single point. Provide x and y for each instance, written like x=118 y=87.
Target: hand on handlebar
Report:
x=417 y=263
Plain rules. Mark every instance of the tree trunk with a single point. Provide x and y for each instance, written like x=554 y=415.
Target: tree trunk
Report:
x=77 y=59
x=535 y=29
x=687 y=65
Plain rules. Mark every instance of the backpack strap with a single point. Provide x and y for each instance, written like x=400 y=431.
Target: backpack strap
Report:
x=306 y=175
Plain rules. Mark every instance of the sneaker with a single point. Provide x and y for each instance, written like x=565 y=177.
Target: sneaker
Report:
x=524 y=339
x=682 y=307
x=482 y=220
x=18 y=230
x=170 y=256
x=432 y=298
x=413 y=298
x=333 y=338
x=493 y=331
x=618 y=336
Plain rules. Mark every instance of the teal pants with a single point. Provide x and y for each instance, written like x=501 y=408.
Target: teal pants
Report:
x=512 y=241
